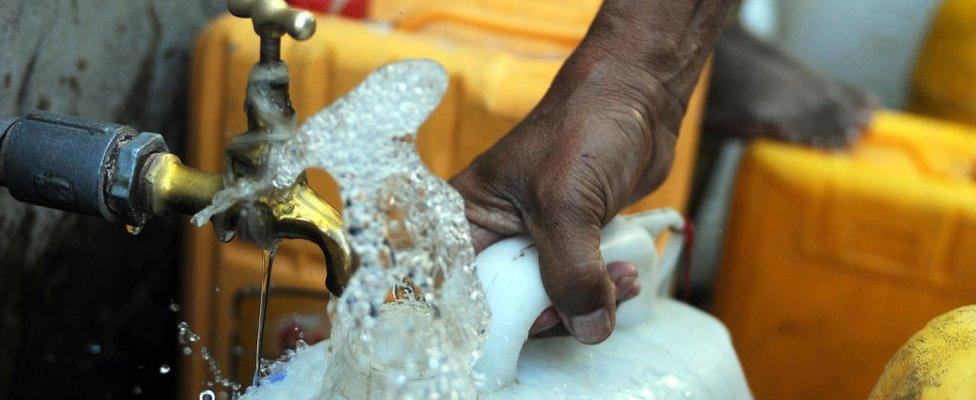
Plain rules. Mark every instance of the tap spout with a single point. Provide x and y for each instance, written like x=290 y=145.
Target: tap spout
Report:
x=304 y=215
x=298 y=213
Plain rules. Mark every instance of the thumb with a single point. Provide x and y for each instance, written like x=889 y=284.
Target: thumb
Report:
x=574 y=275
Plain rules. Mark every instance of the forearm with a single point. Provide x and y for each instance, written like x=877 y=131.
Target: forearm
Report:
x=648 y=53
x=650 y=33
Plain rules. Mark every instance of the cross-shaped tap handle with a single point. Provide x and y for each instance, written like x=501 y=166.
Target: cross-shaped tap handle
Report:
x=274 y=18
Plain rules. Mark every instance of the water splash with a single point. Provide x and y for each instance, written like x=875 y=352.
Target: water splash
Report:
x=408 y=229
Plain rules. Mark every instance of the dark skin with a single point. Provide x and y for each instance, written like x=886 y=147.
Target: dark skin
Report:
x=760 y=90
x=602 y=137
x=604 y=134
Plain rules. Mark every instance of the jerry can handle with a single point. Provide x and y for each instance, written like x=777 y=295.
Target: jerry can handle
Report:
x=509 y=273
x=656 y=222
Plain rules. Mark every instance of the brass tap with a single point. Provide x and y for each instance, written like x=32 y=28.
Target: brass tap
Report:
x=304 y=215
x=117 y=173
x=293 y=213
x=175 y=188
x=299 y=213
x=274 y=18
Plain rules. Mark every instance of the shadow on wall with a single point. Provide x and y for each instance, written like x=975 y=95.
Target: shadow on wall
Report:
x=84 y=307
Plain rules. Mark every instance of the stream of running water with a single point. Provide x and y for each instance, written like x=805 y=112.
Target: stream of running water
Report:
x=269 y=257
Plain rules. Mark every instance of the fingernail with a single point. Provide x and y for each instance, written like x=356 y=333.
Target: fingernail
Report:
x=634 y=291
x=593 y=327
x=542 y=328
x=546 y=320
x=624 y=286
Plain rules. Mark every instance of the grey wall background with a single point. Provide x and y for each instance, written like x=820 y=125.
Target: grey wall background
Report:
x=868 y=43
x=84 y=307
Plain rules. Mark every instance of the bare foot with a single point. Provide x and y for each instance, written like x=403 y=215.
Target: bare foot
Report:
x=758 y=90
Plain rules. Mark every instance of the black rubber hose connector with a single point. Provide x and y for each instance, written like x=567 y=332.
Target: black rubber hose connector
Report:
x=61 y=161
x=5 y=124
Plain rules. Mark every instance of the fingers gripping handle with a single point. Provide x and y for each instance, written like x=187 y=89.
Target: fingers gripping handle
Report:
x=656 y=222
x=509 y=272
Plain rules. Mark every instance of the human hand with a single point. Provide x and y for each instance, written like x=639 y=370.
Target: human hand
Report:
x=602 y=137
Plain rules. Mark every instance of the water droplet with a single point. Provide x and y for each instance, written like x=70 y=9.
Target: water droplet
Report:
x=187 y=351
x=94 y=348
x=133 y=229
x=208 y=395
x=164 y=369
x=185 y=335
x=175 y=307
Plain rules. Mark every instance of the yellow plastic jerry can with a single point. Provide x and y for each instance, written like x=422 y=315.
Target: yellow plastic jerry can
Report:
x=833 y=260
x=493 y=84
x=944 y=84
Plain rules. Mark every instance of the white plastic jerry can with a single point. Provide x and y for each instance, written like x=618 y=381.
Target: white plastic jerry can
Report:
x=660 y=348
